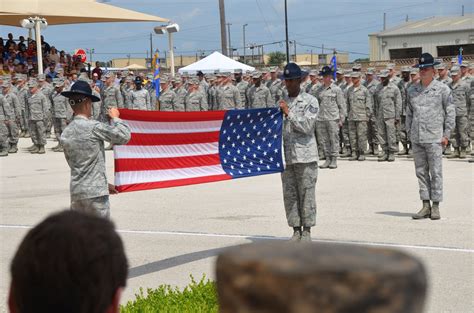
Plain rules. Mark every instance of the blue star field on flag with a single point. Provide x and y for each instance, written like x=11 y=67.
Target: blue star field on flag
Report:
x=250 y=142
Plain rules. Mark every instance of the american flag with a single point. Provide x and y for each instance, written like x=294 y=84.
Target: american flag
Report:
x=169 y=149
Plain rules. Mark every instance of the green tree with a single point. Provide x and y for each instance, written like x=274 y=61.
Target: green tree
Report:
x=276 y=58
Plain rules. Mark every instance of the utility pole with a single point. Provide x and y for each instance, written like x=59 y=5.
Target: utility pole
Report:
x=311 y=56
x=286 y=34
x=151 y=48
x=384 y=21
x=294 y=47
x=223 y=33
x=263 y=56
x=462 y=10
x=245 y=48
x=322 y=49
x=229 y=47
x=406 y=18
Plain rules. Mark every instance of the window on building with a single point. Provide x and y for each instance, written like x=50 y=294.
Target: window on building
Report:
x=408 y=53
x=451 y=51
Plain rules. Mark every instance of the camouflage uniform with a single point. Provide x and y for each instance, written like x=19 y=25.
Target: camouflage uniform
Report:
x=228 y=98
x=372 y=125
x=471 y=118
x=195 y=101
x=127 y=90
x=111 y=97
x=46 y=89
x=83 y=142
x=260 y=97
x=332 y=111
x=430 y=117
x=359 y=111
x=167 y=99
x=180 y=98
x=388 y=105
x=461 y=98
x=275 y=89
x=301 y=156
x=243 y=86
x=212 y=97
x=23 y=94
x=39 y=107
x=14 y=119
x=62 y=113
x=140 y=100
x=4 y=117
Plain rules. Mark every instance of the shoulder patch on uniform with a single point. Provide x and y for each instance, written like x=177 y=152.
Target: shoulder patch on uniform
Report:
x=313 y=109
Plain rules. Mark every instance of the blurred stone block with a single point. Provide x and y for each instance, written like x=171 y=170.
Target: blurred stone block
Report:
x=281 y=277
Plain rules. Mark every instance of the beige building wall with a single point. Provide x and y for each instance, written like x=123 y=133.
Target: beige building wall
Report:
x=124 y=62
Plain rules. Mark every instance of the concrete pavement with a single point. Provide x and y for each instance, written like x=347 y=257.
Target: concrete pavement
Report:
x=172 y=233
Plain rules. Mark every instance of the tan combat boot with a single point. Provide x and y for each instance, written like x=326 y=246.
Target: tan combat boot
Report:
x=425 y=212
x=35 y=149
x=333 y=164
x=326 y=163
x=13 y=148
x=306 y=234
x=435 y=211
x=296 y=234
x=41 y=150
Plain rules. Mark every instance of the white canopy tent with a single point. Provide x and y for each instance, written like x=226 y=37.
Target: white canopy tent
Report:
x=215 y=62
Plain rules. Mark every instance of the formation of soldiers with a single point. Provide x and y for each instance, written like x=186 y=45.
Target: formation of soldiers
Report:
x=359 y=111
x=32 y=108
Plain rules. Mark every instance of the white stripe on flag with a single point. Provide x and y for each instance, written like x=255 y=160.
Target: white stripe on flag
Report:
x=151 y=152
x=173 y=127
x=137 y=177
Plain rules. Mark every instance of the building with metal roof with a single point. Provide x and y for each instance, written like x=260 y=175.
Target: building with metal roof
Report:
x=441 y=36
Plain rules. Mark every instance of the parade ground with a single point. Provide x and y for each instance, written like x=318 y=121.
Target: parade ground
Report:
x=173 y=233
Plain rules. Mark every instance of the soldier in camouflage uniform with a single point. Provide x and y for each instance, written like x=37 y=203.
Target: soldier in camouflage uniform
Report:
x=126 y=90
x=344 y=131
x=393 y=74
x=471 y=119
x=23 y=95
x=195 y=100
x=465 y=75
x=443 y=74
x=5 y=111
x=228 y=96
x=242 y=85
x=461 y=98
x=274 y=85
x=371 y=84
x=301 y=155
x=359 y=111
x=430 y=119
x=39 y=107
x=62 y=112
x=140 y=97
x=388 y=105
x=167 y=96
x=401 y=129
x=331 y=116
x=83 y=142
x=259 y=95
x=211 y=94
x=46 y=89
x=111 y=98
x=203 y=85
x=14 y=118
x=181 y=93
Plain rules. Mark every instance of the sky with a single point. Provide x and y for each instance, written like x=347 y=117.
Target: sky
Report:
x=340 y=24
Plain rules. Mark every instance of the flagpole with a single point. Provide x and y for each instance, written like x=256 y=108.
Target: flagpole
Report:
x=286 y=34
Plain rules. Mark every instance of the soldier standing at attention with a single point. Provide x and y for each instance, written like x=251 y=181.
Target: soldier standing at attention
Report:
x=38 y=106
x=15 y=116
x=460 y=93
x=111 y=98
x=401 y=129
x=259 y=94
x=430 y=119
x=274 y=84
x=140 y=97
x=359 y=111
x=62 y=112
x=180 y=92
x=4 y=120
x=228 y=97
x=388 y=105
x=332 y=112
x=83 y=143
x=301 y=155
x=242 y=85
x=196 y=100
x=167 y=96
x=443 y=74
x=371 y=84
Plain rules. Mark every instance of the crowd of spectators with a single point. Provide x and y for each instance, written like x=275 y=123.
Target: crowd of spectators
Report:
x=20 y=56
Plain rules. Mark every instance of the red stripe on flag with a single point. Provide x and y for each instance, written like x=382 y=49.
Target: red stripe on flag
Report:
x=127 y=165
x=173 y=183
x=158 y=116
x=172 y=139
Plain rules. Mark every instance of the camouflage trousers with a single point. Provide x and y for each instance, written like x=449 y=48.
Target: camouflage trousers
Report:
x=38 y=132
x=13 y=133
x=344 y=135
x=299 y=193
x=328 y=135
x=99 y=206
x=402 y=135
x=372 y=132
x=358 y=136
x=387 y=135
x=23 y=121
x=59 y=126
x=460 y=134
x=3 y=136
x=429 y=170
x=49 y=123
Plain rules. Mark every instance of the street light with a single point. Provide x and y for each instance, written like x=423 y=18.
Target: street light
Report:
x=245 y=25
x=37 y=23
x=170 y=29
